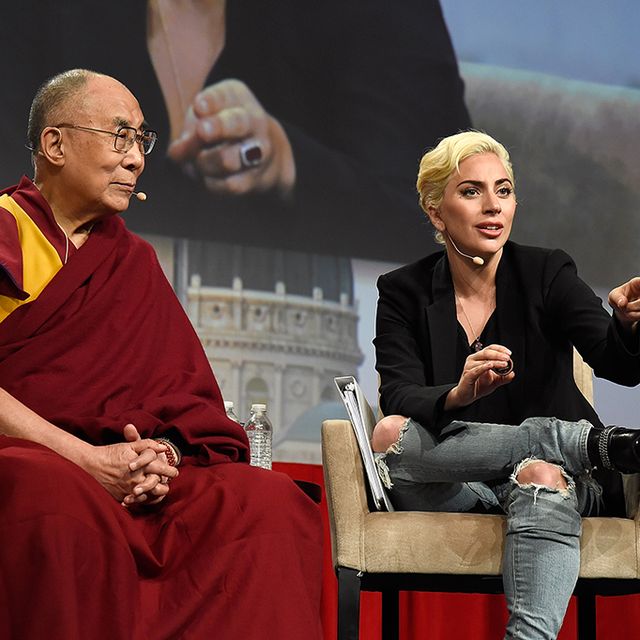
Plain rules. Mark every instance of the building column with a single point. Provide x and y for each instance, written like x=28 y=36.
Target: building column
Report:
x=236 y=390
x=317 y=378
x=278 y=408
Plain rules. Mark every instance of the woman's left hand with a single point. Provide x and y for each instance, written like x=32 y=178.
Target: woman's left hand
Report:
x=625 y=301
x=479 y=376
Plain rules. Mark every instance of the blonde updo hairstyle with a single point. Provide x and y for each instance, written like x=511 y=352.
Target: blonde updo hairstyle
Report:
x=439 y=164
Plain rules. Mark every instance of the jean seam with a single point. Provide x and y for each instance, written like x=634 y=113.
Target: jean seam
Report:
x=584 y=438
x=516 y=586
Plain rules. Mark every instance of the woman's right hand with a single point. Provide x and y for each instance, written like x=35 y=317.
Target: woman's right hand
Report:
x=478 y=377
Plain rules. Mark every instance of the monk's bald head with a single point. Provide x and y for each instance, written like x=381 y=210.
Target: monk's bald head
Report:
x=56 y=100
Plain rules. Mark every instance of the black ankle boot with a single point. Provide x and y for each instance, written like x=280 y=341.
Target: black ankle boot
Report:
x=616 y=448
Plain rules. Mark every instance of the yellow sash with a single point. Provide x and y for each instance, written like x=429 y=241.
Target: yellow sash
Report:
x=40 y=260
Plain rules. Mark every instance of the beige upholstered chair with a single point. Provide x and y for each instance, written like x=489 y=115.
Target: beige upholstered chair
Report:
x=451 y=552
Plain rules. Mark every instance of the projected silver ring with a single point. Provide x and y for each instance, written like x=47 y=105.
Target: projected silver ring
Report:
x=250 y=154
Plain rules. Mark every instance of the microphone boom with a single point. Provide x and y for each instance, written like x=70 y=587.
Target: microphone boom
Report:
x=475 y=259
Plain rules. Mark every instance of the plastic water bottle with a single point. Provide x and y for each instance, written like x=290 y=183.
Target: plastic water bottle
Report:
x=259 y=431
x=228 y=407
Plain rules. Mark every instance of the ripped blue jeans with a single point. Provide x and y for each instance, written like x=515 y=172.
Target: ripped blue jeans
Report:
x=473 y=466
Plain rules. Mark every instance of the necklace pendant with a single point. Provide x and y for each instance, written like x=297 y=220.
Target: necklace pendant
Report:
x=476 y=345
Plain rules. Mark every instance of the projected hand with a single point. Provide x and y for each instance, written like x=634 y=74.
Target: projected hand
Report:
x=234 y=144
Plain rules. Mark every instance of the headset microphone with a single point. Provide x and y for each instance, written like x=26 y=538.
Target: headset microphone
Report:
x=475 y=259
x=141 y=195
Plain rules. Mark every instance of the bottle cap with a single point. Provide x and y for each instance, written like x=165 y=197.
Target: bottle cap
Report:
x=228 y=404
x=258 y=407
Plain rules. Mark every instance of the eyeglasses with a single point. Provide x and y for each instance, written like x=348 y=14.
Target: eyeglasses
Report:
x=123 y=138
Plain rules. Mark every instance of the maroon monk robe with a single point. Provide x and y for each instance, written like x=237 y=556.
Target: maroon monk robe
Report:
x=232 y=552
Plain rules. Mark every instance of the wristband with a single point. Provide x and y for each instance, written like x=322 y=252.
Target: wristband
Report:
x=603 y=447
x=173 y=453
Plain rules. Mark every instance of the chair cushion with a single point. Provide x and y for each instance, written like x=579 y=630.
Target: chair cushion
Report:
x=461 y=543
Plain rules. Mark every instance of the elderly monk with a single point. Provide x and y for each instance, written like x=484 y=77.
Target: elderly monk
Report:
x=127 y=507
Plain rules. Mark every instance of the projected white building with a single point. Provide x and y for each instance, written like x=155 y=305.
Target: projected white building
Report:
x=277 y=327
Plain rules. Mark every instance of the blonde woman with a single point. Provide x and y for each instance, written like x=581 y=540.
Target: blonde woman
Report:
x=474 y=350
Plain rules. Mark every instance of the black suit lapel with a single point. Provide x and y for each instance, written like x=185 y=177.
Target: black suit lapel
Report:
x=512 y=323
x=441 y=316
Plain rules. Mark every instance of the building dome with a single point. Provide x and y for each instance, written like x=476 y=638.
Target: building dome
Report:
x=261 y=268
x=277 y=326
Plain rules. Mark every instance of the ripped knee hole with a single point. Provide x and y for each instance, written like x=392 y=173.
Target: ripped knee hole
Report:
x=387 y=434
x=542 y=475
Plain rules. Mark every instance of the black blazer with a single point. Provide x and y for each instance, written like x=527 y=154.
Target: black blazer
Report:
x=543 y=309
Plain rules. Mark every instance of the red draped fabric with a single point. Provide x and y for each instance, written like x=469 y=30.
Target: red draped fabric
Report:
x=232 y=552
x=440 y=616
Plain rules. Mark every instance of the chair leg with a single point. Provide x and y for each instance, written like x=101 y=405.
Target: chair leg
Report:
x=390 y=614
x=348 y=604
x=586 y=616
